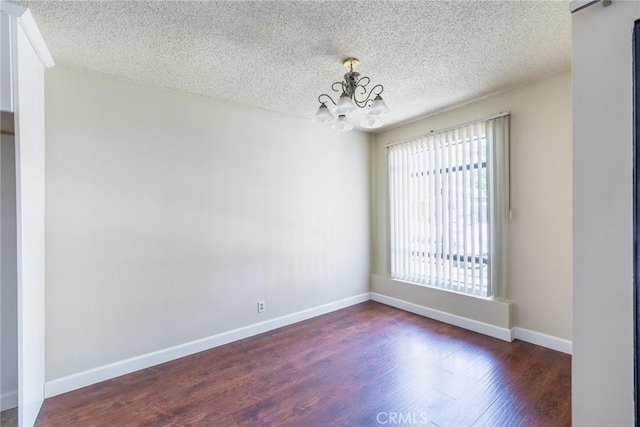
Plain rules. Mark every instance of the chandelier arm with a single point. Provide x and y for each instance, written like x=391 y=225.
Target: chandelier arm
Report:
x=363 y=91
x=358 y=102
x=362 y=82
x=355 y=84
x=341 y=85
x=362 y=104
x=370 y=97
x=328 y=98
x=376 y=87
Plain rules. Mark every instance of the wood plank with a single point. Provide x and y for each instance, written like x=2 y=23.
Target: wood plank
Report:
x=357 y=366
x=7 y=124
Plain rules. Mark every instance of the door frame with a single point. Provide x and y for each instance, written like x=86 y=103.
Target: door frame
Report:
x=636 y=217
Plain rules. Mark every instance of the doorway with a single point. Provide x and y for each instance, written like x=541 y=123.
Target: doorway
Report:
x=636 y=215
x=8 y=276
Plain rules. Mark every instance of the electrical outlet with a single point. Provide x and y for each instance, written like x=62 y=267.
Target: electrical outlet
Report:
x=260 y=306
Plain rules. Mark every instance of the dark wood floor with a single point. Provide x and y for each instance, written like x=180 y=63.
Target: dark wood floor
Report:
x=366 y=365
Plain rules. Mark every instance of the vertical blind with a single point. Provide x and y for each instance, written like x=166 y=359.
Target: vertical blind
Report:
x=448 y=207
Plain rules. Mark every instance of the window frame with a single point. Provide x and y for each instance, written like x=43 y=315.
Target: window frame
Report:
x=491 y=257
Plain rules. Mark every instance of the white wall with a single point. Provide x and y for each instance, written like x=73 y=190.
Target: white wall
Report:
x=539 y=280
x=9 y=289
x=602 y=215
x=169 y=216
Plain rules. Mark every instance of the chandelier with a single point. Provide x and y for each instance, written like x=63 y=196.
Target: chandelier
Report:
x=354 y=95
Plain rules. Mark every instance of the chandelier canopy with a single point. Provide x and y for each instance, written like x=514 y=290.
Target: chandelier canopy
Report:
x=354 y=95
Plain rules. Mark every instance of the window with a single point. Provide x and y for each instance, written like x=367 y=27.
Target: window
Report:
x=448 y=206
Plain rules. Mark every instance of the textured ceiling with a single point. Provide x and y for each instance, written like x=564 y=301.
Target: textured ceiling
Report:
x=280 y=55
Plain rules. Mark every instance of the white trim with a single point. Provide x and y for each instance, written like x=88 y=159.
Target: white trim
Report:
x=30 y=29
x=544 y=340
x=452 y=319
x=578 y=5
x=102 y=373
x=12 y=9
x=522 y=334
x=9 y=400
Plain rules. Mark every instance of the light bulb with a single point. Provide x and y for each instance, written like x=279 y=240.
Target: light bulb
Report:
x=345 y=105
x=378 y=107
x=324 y=116
x=342 y=124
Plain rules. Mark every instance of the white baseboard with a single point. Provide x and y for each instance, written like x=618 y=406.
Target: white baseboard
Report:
x=533 y=337
x=9 y=400
x=452 y=319
x=92 y=376
x=113 y=370
x=544 y=340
